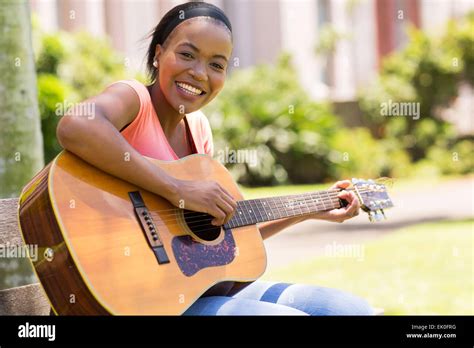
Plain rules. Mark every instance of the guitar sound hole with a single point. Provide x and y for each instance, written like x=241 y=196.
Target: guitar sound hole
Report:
x=200 y=225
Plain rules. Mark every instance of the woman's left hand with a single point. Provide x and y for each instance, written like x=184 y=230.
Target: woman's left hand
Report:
x=344 y=213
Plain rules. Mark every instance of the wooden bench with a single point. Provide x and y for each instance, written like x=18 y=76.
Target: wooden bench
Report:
x=23 y=300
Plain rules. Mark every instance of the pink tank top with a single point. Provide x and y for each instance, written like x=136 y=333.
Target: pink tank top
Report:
x=145 y=134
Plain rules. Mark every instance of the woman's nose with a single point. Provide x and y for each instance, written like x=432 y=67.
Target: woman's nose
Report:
x=198 y=72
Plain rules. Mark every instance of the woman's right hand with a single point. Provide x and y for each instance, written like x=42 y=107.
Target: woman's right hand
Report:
x=206 y=197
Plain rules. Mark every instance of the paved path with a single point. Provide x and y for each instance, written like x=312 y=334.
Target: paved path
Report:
x=448 y=200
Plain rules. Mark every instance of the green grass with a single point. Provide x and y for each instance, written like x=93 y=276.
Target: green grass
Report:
x=398 y=185
x=424 y=269
x=270 y=191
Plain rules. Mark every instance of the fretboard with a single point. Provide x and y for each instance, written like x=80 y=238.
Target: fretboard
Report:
x=253 y=211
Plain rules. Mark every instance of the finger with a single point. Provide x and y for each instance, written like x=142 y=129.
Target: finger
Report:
x=229 y=199
x=227 y=193
x=341 y=184
x=354 y=200
x=347 y=195
x=226 y=208
x=219 y=216
x=353 y=207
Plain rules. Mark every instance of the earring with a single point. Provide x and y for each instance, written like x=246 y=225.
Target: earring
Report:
x=155 y=63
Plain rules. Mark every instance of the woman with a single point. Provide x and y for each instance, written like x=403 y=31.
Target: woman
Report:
x=187 y=61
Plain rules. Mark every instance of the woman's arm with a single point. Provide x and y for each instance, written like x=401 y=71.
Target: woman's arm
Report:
x=97 y=140
x=270 y=228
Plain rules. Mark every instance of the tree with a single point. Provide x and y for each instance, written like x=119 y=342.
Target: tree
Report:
x=21 y=143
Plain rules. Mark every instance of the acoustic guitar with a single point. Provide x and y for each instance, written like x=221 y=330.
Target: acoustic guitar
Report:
x=109 y=247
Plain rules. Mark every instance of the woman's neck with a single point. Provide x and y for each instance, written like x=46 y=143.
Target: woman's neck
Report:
x=168 y=116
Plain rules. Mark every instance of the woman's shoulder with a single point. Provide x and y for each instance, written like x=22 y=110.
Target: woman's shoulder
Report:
x=198 y=119
x=135 y=85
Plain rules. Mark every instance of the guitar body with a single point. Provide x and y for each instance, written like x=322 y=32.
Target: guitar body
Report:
x=95 y=256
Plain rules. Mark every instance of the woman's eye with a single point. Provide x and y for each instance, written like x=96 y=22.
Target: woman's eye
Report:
x=187 y=55
x=218 y=66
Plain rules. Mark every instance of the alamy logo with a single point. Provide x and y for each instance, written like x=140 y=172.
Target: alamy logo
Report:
x=19 y=251
x=392 y=108
x=32 y=331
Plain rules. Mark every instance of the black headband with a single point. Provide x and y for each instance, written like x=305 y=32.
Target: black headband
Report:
x=195 y=12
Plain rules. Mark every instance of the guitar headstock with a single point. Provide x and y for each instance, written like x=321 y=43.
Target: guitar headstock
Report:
x=373 y=198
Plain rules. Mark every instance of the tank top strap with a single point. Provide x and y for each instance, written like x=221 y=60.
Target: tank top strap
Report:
x=190 y=137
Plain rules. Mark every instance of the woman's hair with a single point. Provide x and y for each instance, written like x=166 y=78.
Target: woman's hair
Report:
x=173 y=18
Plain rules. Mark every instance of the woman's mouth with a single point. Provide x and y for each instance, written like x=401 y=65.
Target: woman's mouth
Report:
x=189 y=90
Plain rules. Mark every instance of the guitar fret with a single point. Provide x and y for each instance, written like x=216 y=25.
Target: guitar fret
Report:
x=327 y=200
x=251 y=212
x=310 y=203
x=262 y=216
x=253 y=204
x=317 y=199
x=322 y=200
x=331 y=200
x=278 y=208
x=268 y=209
x=261 y=210
x=272 y=209
x=300 y=202
x=242 y=216
x=281 y=210
x=248 y=212
x=290 y=207
x=258 y=214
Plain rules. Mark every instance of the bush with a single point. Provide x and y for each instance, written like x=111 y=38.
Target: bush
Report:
x=70 y=68
x=51 y=92
x=355 y=153
x=428 y=71
x=454 y=160
x=297 y=140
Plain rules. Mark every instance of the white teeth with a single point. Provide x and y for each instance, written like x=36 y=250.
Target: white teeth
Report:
x=190 y=89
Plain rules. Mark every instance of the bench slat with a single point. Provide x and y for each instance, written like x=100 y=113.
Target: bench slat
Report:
x=9 y=231
x=23 y=300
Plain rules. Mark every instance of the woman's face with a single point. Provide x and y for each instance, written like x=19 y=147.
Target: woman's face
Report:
x=192 y=65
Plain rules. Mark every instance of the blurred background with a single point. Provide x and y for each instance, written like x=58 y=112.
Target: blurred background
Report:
x=317 y=91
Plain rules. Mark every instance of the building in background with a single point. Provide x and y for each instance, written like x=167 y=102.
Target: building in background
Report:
x=352 y=35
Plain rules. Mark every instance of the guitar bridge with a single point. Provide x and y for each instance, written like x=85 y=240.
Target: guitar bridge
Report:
x=148 y=227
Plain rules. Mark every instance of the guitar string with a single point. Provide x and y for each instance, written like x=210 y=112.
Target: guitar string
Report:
x=175 y=222
x=332 y=191
x=197 y=218
x=177 y=211
x=246 y=223
x=206 y=220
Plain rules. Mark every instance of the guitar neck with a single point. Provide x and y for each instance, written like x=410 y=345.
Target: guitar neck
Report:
x=253 y=211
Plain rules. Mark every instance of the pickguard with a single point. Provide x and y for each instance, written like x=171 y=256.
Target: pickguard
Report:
x=193 y=256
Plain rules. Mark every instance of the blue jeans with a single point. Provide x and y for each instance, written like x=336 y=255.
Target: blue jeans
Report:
x=271 y=298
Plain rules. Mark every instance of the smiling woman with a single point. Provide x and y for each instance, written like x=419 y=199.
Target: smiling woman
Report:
x=187 y=63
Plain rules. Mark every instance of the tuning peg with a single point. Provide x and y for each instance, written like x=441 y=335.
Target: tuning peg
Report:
x=378 y=216
x=371 y=216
